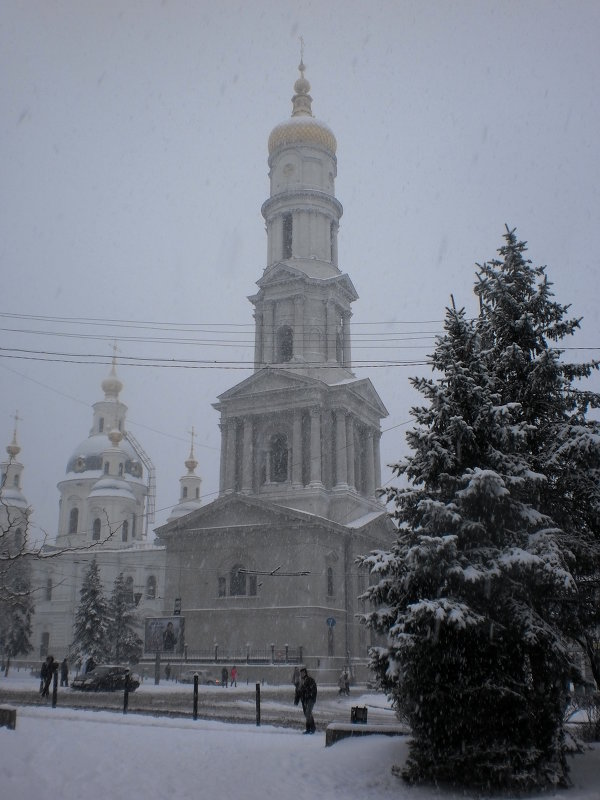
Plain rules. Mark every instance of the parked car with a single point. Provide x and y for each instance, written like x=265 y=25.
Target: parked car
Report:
x=205 y=677
x=105 y=678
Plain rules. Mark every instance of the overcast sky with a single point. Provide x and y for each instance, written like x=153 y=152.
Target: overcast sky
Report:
x=133 y=165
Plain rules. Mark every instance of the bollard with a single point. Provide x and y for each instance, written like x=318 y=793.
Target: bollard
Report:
x=195 y=714
x=54 y=687
x=258 y=704
x=126 y=692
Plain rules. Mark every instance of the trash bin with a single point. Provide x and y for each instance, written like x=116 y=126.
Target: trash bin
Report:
x=358 y=714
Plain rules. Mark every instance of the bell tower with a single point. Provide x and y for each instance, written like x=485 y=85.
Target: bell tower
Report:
x=303 y=431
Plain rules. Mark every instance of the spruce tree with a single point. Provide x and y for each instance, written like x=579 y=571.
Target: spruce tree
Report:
x=523 y=329
x=126 y=645
x=16 y=612
x=92 y=619
x=476 y=594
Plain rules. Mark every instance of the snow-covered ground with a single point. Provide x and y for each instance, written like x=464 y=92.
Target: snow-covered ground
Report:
x=71 y=755
x=93 y=755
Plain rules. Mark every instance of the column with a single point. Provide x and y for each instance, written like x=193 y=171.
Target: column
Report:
x=315 y=447
x=350 y=450
x=223 y=460
x=230 y=456
x=341 y=464
x=268 y=336
x=377 y=457
x=299 y=327
x=346 y=336
x=248 y=457
x=369 y=464
x=331 y=331
x=333 y=231
x=297 y=450
x=258 y=339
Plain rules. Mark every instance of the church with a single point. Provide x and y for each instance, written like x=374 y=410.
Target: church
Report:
x=266 y=572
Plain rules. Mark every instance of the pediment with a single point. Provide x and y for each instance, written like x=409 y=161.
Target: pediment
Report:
x=268 y=380
x=237 y=510
x=365 y=391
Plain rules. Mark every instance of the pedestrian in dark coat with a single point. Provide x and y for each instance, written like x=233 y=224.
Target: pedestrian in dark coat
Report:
x=46 y=674
x=224 y=676
x=64 y=672
x=306 y=693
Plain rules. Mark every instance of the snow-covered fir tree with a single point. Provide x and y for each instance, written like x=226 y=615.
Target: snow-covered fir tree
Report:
x=522 y=329
x=125 y=644
x=16 y=611
x=475 y=594
x=92 y=619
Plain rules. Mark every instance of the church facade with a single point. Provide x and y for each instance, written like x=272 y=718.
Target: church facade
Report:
x=270 y=565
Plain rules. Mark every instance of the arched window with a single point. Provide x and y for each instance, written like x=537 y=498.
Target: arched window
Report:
x=287 y=236
x=100 y=424
x=96 y=529
x=285 y=343
x=73 y=520
x=339 y=348
x=124 y=531
x=106 y=466
x=129 y=589
x=197 y=492
x=279 y=458
x=237 y=580
x=151 y=588
x=184 y=492
x=329 y=581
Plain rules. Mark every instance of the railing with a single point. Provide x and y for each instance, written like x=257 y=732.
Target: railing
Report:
x=271 y=654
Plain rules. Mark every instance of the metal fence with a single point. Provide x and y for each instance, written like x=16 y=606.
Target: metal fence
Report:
x=270 y=654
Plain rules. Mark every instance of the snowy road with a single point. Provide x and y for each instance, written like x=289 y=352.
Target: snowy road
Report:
x=215 y=703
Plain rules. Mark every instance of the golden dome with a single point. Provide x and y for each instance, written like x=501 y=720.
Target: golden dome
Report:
x=302 y=128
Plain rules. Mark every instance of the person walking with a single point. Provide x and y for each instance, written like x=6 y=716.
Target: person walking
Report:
x=344 y=683
x=233 y=676
x=168 y=671
x=46 y=674
x=64 y=672
x=306 y=693
x=224 y=677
